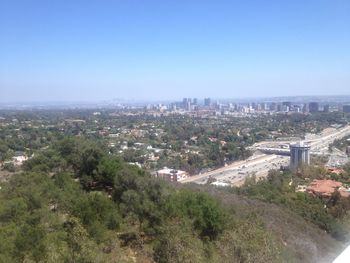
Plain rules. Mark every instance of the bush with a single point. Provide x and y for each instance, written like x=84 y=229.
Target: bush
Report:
x=176 y=243
x=10 y=167
x=207 y=216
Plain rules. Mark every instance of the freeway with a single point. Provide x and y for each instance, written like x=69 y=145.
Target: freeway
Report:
x=238 y=171
x=259 y=164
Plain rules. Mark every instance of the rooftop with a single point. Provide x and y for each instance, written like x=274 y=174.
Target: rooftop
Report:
x=166 y=170
x=325 y=188
x=299 y=144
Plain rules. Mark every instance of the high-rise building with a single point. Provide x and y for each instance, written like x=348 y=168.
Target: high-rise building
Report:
x=258 y=107
x=253 y=106
x=195 y=101
x=184 y=102
x=287 y=104
x=285 y=108
x=264 y=106
x=296 y=108
x=346 y=108
x=273 y=106
x=326 y=108
x=313 y=107
x=207 y=102
x=188 y=106
x=299 y=155
x=306 y=108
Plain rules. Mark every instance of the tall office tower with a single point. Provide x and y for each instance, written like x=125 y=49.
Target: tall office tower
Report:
x=273 y=106
x=285 y=108
x=287 y=103
x=173 y=106
x=299 y=155
x=188 y=106
x=296 y=108
x=264 y=106
x=326 y=108
x=184 y=103
x=346 y=108
x=253 y=105
x=195 y=101
x=313 y=107
x=258 y=107
x=207 y=102
x=306 y=108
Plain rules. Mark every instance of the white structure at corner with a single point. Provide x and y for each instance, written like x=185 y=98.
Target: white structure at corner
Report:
x=343 y=257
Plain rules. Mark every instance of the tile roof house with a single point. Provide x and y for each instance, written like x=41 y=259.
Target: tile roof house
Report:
x=325 y=188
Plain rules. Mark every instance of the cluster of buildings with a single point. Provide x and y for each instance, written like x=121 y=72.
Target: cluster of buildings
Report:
x=227 y=108
x=300 y=155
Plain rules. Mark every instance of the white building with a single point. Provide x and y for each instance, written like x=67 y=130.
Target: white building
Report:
x=19 y=158
x=220 y=184
x=172 y=175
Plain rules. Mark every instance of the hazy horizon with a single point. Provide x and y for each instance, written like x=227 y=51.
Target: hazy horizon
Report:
x=156 y=50
x=113 y=101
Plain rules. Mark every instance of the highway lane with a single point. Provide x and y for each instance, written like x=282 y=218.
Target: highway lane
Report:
x=260 y=164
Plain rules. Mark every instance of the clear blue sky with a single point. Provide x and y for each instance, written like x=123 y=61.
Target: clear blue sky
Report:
x=69 y=50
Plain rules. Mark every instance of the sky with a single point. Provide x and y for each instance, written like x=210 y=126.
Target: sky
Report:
x=82 y=50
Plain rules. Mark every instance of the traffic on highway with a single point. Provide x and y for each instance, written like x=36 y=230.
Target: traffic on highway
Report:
x=260 y=163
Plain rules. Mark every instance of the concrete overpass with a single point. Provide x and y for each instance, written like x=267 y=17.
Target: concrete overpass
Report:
x=260 y=163
x=284 y=152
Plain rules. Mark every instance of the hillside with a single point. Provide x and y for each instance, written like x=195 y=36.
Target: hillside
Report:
x=305 y=241
x=74 y=203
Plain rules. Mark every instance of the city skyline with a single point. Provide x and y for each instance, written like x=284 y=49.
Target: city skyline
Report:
x=174 y=131
x=152 y=50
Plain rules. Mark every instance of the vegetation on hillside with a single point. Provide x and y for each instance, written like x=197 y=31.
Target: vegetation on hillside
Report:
x=280 y=188
x=74 y=203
